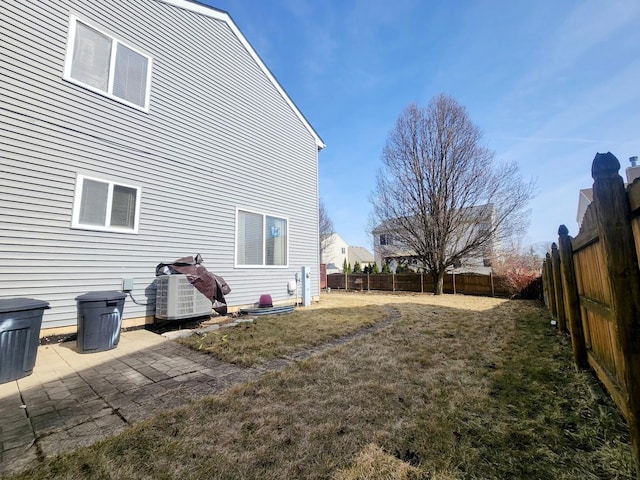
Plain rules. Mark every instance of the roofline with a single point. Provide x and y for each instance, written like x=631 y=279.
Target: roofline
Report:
x=206 y=10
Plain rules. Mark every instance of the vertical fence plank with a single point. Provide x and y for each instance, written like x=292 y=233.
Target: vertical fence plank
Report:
x=613 y=218
x=547 y=269
x=552 y=287
x=557 y=282
x=493 y=290
x=545 y=284
x=572 y=304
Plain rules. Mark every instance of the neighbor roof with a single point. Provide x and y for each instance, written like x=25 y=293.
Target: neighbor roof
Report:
x=588 y=193
x=208 y=11
x=360 y=255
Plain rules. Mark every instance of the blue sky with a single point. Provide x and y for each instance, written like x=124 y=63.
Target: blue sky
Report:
x=550 y=83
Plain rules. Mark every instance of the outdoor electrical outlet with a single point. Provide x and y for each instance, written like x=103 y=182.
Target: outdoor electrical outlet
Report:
x=127 y=284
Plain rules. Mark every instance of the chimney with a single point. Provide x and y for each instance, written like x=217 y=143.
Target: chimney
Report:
x=633 y=171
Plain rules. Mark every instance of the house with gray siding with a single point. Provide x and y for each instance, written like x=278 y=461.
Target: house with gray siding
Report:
x=139 y=132
x=392 y=241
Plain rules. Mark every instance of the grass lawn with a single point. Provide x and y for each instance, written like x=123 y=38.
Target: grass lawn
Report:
x=277 y=336
x=458 y=387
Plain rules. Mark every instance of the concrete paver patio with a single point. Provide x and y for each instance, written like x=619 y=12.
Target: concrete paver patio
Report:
x=73 y=399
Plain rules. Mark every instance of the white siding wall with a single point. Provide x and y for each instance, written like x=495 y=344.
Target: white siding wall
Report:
x=334 y=253
x=218 y=136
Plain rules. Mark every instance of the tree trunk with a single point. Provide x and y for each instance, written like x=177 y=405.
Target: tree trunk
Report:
x=438 y=282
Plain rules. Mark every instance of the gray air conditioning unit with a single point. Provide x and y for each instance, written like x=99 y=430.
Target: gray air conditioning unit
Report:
x=176 y=299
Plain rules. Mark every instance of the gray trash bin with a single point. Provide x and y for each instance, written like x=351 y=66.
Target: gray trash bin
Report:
x=20 y=322
x=99 y=320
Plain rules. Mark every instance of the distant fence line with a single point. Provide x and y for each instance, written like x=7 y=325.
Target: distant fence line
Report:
x=466 y=283
x=591 y=284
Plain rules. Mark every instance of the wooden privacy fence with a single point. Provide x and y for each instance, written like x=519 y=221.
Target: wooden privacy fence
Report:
x=467 y=283
x=592 y=285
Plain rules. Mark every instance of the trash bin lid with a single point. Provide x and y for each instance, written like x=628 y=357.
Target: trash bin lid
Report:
x=21 y=303
x=99 y=296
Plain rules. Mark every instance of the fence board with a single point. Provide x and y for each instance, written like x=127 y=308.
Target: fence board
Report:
x=603 y=264
x=609 y=383
x=589 y=264
x=635 y=226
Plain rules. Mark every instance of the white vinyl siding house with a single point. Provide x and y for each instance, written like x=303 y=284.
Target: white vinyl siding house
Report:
x=388 y=242
x=110 y=170
x=335 y=251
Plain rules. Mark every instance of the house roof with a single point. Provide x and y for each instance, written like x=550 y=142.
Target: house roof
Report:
x=208 y=11
x=588 y=193
x=360 y=255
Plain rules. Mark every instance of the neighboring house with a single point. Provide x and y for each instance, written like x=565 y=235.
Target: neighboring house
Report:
x=361 y=255
x=337 y=250
x=137 y=132
x=388 y=245
x=585 y=196
x=584 y=200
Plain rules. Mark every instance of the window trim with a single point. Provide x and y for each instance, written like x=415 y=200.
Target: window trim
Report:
x=77 y=199
x=71 y=39
x=388 y=239
x=264 y=238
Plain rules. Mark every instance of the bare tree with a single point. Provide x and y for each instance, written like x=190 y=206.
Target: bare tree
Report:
x=326 y=229
x=440 y=195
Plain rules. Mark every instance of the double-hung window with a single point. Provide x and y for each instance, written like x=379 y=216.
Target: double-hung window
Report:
x=386 y=239
x=261 y=240
x=100 y=62
x=105 y=205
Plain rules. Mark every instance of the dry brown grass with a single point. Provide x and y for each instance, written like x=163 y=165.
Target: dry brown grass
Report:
x=340 y=298
x=460 y=387
x=373 y=463
x=277 y=336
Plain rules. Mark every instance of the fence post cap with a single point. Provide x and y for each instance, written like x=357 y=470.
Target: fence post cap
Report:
x=554 y=246
x=563 y=230
x=604 y=165
x=548 y=256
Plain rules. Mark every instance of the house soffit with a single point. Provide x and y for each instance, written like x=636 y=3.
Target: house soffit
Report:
x=221 y=15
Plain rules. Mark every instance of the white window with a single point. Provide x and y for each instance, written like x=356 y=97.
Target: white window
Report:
x=386 y=239
x=105 y=205
x=102 y=63
x=261 y=240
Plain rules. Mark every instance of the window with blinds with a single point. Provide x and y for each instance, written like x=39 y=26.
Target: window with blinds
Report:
x=105 y=205
x=102 y=63
x=261 y=240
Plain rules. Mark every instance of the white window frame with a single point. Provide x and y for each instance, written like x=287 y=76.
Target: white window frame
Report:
x=264 y=239
x=388 y=239
x=73 y=22
x=77 y=199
